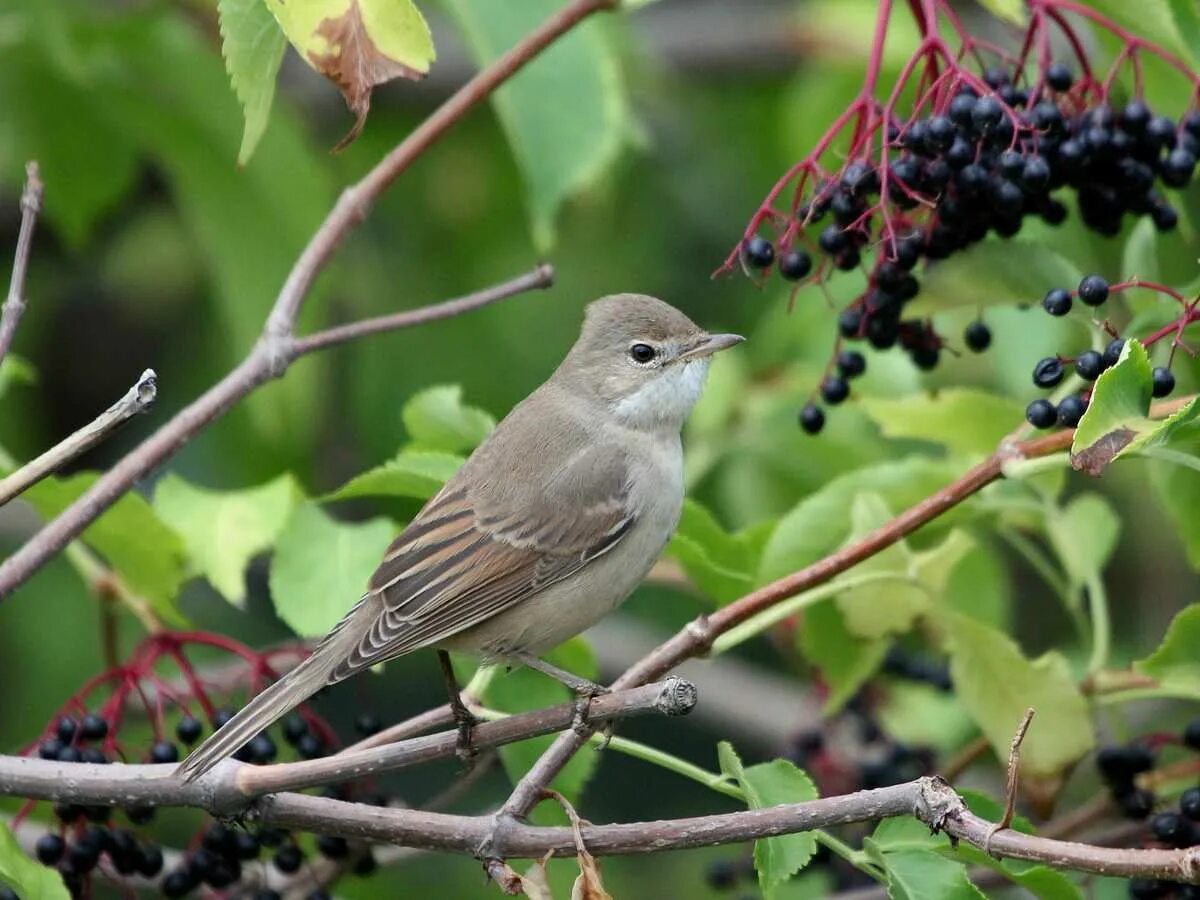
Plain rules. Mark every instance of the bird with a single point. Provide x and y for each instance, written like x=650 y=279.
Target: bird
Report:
x=548 y=526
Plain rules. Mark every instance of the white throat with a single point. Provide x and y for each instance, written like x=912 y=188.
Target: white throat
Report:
x=665 y=400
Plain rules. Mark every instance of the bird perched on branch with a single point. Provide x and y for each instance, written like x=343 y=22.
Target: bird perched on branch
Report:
x=551 y=523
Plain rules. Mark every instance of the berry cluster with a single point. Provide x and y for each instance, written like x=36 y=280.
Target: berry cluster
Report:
x=1121 y=768
x=92 y=731
x=980 y=149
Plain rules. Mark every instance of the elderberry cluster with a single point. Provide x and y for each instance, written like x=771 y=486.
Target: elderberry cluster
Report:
x=980 y=163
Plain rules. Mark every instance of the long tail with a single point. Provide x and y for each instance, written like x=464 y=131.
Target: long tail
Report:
x=322 y=667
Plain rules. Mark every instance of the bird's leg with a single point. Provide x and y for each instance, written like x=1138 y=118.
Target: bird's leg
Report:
x=584 y=690
x=463 y=717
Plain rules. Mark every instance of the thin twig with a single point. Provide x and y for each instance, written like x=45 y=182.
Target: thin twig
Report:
x=697 y=636
x=1013 y=779
x=135 y=401
x=14 y=304
x=275 y=350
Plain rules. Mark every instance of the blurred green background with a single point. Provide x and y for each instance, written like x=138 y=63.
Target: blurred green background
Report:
x=155 y=250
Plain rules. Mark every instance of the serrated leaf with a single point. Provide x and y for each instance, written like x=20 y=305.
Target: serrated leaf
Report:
x=1176 y=662
x=223 y=530
x=523 y=689
x=1116 y=412
x=719 y=563
x=566 y=115
x=252 y=44
x=768 y=784
x=145 y=552
x=1084 y=534
x=437 y=419
x=31 y=880
x=918 y=874
x=964 y=420
x=994 y=273
x=413 y=473
x=997 y=683
x=358 y=44
x=321 y=567
x=846 y=661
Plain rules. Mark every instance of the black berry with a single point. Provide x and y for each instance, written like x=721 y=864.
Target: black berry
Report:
x=1163 y=381
x=1048 y=372
x=1059 y=77
x=367 y=725
x=1041 y=414
x=49 y=849
x=288 y=858
x=332 y=846
x=851 y=363
x=150 y=860
x=1089 y=365
x=1112 y=353
x=758 y=252
x=1189 y=804
x=1057 y=302
x=164 y=752
x=178 y=883
x=834 y=390
x=812 y=418
x=65 y=729
x=1172 y=829
x=1191 y=734
x=189 y=730
x=93 y=728
x=1071 y=410
x=1136 y=803
x=1093 y=290
x=978 y=336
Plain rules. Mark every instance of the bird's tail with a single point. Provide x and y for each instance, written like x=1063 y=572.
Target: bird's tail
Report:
x=324 y=666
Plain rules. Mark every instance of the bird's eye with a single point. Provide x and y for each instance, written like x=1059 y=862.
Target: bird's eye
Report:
x=642 y=353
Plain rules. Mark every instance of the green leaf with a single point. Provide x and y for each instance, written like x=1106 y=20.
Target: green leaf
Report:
x=524 y=689
x=994 y=273
x=224 y=530
x=1178 y=490
x=997 y=683
x=964 y=420
x=437 y=419
x=877 y=609
x=719 y=563
x=31 y=880
x=846 y=661
x=252 y=44
x=821 y=521
x=321 y=567
x=1187 y=22
x=769 y=784
x=15 y=370
x=1009 y=10
x=1116 y=413
x=1176 y=662
x=358 y=44
x=1084 y=534
x=148 y=555
x=566 y=115
x=412 y=473
x=916 y=873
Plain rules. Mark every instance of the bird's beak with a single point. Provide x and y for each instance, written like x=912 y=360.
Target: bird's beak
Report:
x=710 y=344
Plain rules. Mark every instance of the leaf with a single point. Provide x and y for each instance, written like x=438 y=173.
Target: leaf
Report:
x=994 y=273
x=1009 y=10
x=964 y=420
x=321 y=567
x=566 y=115
x=1176 y=662
x=1116 y=413
x=31 y=880
x=925 y=875
x=224 y=530
x=15 y=370
x=886 y=607
x=1178 y=490
x=1084 y=534
x=145 y=552
x=997 y=683
x=358 y=44
x=769 y=784
x=821 y=521
x=719 y=563
x=253 y=45
x=413 y=473
x=437 y=419
x=846 y=661
x=1187 y=22
x=588 y=885
x=523 y=689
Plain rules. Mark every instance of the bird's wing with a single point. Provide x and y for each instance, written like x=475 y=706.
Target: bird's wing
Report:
x=477 y=549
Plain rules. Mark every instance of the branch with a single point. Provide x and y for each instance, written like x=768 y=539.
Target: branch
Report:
x=14 y=305
x=697 y=636
x=930 y=799
x=276 y=348
x=136 y=400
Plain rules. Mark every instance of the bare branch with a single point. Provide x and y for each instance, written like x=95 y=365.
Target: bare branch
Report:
x=135 y=401
x=14 y=304
x=540 y=278
x=276 y=348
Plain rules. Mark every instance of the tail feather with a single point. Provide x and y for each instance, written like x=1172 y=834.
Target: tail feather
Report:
x=285 y=694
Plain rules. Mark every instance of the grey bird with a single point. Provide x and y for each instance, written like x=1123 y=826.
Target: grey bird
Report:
x=547 y=527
